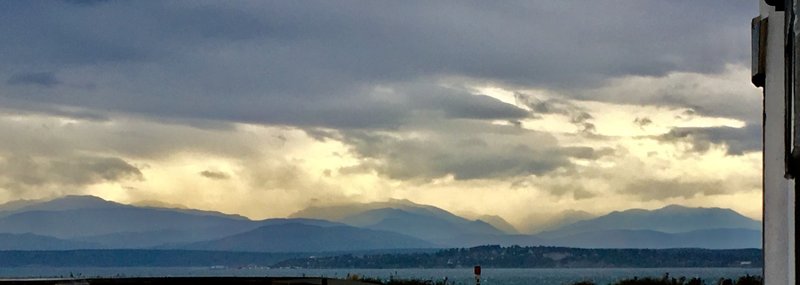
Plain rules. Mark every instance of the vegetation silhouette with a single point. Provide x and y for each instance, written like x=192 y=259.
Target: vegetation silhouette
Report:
x=494 y=256
x=667 y=280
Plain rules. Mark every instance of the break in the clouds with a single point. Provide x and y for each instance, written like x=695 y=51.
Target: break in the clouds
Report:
x=562 y=103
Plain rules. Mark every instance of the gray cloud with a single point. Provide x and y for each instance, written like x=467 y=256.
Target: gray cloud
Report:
x=85 y=2
x=728 y=94
x=642 y=121
x=548 y=106
x=387 y=79
x=737 y=140
x=300 y=64
x=45 y=79
x=215 y=175
x=46 y=137
x=25 y=172
x=466 y=151
x=587 y=152
x=427 y=159
x=472 y=107
x=577 y=115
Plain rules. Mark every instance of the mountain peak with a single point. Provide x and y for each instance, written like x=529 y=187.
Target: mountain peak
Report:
x=499 y=223
x=84 y=198
x=299 y=237
x=158 y=204
x=669 y=219
x=402 y=202
x=69 y=202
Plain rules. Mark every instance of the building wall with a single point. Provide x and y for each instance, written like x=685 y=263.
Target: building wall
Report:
x=778 y=192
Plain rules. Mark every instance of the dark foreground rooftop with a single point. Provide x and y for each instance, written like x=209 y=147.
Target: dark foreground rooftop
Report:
x=187 y=281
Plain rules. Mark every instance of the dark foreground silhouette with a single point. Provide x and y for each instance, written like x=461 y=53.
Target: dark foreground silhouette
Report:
x=191 y=281
x=666 y=280
x=354 y=280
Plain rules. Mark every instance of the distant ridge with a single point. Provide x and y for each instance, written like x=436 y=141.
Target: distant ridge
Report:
x=669 y=219
x=499 y=223
x=421 y=221
x=308 y=238
x=38 y=242
x=556 y=221
x=70 y=202
x=709 y=239
x=89 y=220
x=340 y=211
x=77 y=222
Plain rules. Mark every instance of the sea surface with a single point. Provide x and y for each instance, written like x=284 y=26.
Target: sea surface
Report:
x=500 y=276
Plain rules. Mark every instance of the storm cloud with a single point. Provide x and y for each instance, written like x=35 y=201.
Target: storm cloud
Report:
x=463 y=150
x=301 y=63
x=46 y=79
x=24 y=172
x=571 y=103
x=216 y=175
x=736 y=140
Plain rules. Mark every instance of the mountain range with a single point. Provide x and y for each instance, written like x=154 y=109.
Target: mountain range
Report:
x=87 y=222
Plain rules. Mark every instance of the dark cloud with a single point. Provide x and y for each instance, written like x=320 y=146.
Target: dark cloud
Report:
x=45 y=79
x=576 y=115
x=587 y=152
x=85 y=2
x=642 y=121
x=215 y=175
x=737 y=140
x=426 y=159
x=479 y=154
x=580 y=117
x=472 y=107
x=20 y=172
x=387 y=79
x=726 y=95
x=129 y=138
x=547 y=106
x=302 y=64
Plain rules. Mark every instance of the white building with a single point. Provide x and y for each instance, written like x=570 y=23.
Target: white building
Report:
x=770 y=70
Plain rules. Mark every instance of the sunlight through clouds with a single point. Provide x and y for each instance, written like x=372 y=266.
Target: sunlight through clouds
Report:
x=276 y=106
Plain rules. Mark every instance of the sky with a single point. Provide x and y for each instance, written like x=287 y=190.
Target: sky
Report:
x=528 y=110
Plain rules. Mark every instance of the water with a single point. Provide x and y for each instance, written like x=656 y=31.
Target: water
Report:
x=507 y=276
